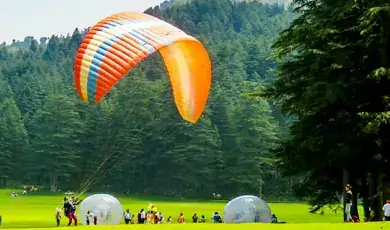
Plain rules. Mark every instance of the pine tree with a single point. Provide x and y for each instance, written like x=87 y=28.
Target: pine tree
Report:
x=13 y=135
x=323 y=83
x=55 y=144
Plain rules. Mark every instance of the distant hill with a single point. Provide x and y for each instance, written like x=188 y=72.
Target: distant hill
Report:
x=168 y=3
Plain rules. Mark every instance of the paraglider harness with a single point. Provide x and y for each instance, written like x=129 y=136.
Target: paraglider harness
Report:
x=67 y=207
x=70 y=206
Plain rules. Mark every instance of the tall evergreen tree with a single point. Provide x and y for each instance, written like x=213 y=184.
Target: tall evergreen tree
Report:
x=323 y=83
x=13 y=135
x=55 y=144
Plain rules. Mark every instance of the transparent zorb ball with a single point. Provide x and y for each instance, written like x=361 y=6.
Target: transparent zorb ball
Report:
x=106 y=208
x=247 y=209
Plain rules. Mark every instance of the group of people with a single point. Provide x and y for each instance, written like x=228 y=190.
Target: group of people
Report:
x=25 y=190
x=32 y=189
x=349 y=202
x=70 y=212
x=149 y=217
x=155 y=217
x=152 y=216
x=143 y=217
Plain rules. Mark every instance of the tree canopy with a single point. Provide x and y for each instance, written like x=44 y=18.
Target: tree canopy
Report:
x=334 y=80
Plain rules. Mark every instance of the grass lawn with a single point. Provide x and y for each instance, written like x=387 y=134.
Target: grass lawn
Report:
x=36 y=211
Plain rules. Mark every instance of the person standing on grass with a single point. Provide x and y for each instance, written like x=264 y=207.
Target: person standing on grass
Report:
x=348 y=202
x=126 y=216
x=58 y=216
x=139 y=217
x=386 y=210
x=181 y=219
x=89 y=217
x=161 y=218
x=70 y=210
x=70 y=207
x=132 y=219
x=94 y=219
x=195 y=218
x=157 y=218
x=143 y=216
x=66 y=206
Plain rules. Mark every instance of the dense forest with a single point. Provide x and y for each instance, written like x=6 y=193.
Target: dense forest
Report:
x=135 y=141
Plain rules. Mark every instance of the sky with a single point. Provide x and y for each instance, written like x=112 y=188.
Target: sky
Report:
x=43 y=18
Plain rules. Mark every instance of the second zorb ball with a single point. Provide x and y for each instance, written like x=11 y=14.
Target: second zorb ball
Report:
x=107 y=209
x=247 y=209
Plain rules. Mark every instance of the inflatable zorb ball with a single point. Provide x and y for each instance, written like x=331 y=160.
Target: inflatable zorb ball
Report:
x=106 y=208
x=247 y=209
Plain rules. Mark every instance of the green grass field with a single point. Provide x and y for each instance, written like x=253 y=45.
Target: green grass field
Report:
x=36 y=211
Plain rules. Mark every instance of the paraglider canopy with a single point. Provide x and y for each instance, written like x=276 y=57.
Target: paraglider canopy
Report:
x=115 y=45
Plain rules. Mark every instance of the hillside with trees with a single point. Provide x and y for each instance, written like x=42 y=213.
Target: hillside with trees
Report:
x=134 y=141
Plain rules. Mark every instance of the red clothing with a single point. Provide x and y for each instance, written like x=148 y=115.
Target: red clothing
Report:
x=71 y=217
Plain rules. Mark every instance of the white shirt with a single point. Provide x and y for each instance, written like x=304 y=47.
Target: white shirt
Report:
x=386 y=209
x=90 y=216
x=127 y=216
x=143 y=215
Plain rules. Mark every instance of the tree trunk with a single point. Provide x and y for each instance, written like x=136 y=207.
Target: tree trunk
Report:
x=355 y=203
x=381 y=199
x=345 y=181
x=366 y=208
x=39 y=179
x=355 y=192
x=54 y=183
x=261 y=187
x=376 y=197
x=365 y=194
x=4 y=181
x=386 y=191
